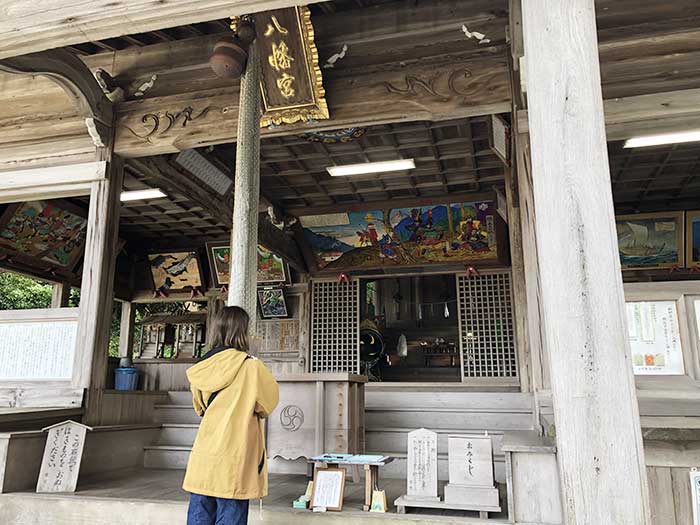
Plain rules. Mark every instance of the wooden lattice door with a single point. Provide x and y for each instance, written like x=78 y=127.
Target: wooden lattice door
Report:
x=335 y=326
x=486 y=328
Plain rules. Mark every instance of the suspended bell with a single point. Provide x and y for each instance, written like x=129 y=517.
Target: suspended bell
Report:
x=229 y=57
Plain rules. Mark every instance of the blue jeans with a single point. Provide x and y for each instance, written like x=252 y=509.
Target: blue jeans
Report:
x=205 y=510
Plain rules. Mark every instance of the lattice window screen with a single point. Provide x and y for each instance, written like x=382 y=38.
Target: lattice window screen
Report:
x=487 y=336
x=335 y=326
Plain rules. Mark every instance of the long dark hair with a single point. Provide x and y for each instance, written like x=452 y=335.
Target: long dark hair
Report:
x=230 y=329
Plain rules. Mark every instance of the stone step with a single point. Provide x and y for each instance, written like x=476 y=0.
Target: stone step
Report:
x=175 y=414
x=466 y=420
x=178 y=434
x=377 y=397
x=183 y=397
x=166 y=456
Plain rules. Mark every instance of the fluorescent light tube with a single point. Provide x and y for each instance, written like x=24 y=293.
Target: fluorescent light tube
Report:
x=371 y=167
x=666 y=138
x=141 y=195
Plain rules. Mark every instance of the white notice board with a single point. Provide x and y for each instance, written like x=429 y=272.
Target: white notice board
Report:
x=654 y=337
x=38 y=345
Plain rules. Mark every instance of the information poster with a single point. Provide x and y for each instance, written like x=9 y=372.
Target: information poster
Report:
x=37 y=350
x=655 y=338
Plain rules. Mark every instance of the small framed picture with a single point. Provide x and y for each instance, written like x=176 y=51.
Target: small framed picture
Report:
x=328 y=488
x=651 y=240
x=271 y=268
x=272 y=303
x=692 y=243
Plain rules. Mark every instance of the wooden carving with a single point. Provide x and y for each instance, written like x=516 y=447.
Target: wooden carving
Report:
x=162 y=123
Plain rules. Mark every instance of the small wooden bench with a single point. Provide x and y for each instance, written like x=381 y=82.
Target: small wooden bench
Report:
x=371 y=474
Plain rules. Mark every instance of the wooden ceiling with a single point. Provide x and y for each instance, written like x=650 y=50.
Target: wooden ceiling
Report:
x=213 y=27
x=451 y=157
x=660 y=178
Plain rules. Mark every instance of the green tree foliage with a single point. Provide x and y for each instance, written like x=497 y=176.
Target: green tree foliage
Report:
x=18 y=292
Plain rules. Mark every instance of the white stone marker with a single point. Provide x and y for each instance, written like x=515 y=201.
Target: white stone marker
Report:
x=470 y=462
x=63 y=453
x=422 y=466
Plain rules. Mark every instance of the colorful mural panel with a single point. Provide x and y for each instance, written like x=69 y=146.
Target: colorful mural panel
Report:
x=44 y=231
x=175 y=271
x=440 y=233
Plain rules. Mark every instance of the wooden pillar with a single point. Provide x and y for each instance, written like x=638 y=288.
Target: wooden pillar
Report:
x=97 y=285
x=599 y=443
x=60 y=295
x=126 y=330
x=246 y=193
x=518 y=279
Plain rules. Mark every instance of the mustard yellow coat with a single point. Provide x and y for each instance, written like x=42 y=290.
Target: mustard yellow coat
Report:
x=228 y=458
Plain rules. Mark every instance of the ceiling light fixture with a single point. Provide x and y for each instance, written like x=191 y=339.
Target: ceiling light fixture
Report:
x=371 y=167
x=141 y=195
x=666 y=138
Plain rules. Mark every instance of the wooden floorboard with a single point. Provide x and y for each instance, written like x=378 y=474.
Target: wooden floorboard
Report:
x=165 y=486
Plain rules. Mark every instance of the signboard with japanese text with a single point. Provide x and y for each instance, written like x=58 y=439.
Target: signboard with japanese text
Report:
x=291 y=82
x=654 y=337
x=470 y=460
x=63 y=453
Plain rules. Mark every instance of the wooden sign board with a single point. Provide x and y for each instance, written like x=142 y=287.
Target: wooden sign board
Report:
x=291 y=81
x=328 y=488
x=63 y=454
x=38 y=344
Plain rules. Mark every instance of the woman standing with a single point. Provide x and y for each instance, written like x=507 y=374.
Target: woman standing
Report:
x=233 y=392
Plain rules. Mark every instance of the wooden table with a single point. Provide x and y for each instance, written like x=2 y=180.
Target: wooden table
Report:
x=371 y=474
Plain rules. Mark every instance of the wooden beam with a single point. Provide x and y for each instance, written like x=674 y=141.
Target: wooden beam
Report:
x=393 y=203
x=645 y=114
x=27 y=27
x=599 y=443
x=463 y=88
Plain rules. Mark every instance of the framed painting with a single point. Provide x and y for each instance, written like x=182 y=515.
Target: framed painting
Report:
x=271 y=268
x=650 y=240
x=45 y=231
x=438 y=233
x=692 y=239
x=175 y=271
x=272 y=303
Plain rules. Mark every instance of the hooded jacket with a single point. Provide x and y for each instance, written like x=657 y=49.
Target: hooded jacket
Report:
x=232 y=391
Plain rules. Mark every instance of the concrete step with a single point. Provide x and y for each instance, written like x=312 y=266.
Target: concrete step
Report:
x=397 y=438
x=175 y=414
x=166 y=456
x=74 y=509
x=177 y=434
x=466 y=420
x=180 y=397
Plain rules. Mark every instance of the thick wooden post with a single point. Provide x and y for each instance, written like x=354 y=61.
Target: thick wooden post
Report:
x=599 y=441
x=97 y=285
x=126 y=330
x=244 y=233
x=60 y=295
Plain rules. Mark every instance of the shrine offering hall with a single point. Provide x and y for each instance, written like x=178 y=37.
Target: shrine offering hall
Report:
x=467 y=235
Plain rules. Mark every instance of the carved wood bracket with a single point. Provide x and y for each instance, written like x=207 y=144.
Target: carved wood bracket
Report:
x=74 y=77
